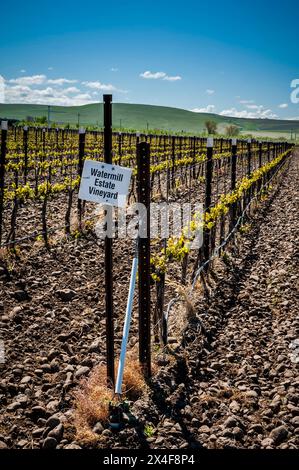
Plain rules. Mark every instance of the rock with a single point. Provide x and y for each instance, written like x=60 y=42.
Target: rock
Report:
x=159 y=441
x=37 y=432
x=52 y=422
x=68 y=381
x=22 y=443
x=53 y=354
x=231 y=422
x=49 y=443
x=251 y=394
x=14 y=430
x=279 y=434
x=268 y=442
x=95 y=346
x=26 y=380
x=66 y=295
x=20 y=402
x=234 y=406
x=72 y=446
x=257 y=428
x=16 y=314
x=54 y=366
x=21 y=295
x=98 y=428
x=52 y=406
x=83 y=370
x=204 y=429
x=3 y=445
x=238 y=433
x=63 y=337
x=295 y=421
x=38 y=412
x=46 y=368
x=57 y=432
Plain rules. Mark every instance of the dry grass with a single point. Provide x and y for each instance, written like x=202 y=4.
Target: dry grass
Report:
x=93 y=398
x=92 y=404
x=133 y=382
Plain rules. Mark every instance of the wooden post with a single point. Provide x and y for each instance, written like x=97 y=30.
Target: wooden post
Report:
x=144 y=270
x=249 y=157
x=194 y=158
x=25 y=148
x=119 y=147
x=233 y=164
x=173 y=161
x=80 y=169
x=4 y=128
x=208 y=195
x=109 y=248
x=260 y=154
x=233 y=180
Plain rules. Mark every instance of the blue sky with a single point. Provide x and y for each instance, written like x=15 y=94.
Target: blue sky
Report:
x=234 y=58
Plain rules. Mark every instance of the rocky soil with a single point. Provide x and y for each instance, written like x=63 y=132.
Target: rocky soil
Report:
x=233 y=383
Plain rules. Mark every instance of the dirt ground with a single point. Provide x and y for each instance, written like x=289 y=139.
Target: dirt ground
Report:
x=231 y=382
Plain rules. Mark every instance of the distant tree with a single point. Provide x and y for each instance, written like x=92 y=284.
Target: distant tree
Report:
x=211 y=127
x=42 y=120
x=232 y=130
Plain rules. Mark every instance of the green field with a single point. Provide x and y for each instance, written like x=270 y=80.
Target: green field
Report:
x=140 y=117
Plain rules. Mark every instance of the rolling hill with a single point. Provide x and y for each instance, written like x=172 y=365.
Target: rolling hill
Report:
x=140 y=117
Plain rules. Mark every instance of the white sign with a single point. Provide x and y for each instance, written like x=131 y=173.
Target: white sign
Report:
x=104 y=183
x=210 y=142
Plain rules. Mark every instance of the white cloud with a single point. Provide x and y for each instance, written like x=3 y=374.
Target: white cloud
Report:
x=99 y=86
x=71 y=89
x=209 y=109
x=153 y=75
x=246 y=101
x=50 y=68
x=283 y=105
x=259 y=112
x=102 y=86
x=175 y=78
x=210 y=92
x=38 y=89
x=159 y=76
x=22 y=71
x=60 y=81
x=32 y=80
x=2 y=88
x=114 y=69
x=70 y=96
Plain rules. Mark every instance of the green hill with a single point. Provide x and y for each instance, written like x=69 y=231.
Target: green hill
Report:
x=140 y=117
